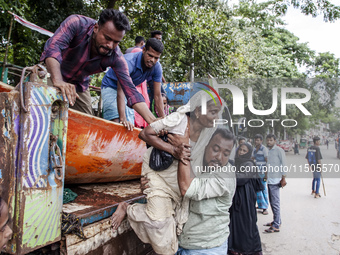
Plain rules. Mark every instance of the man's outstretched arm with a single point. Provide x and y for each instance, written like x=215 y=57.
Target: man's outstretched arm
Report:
x=67 y=89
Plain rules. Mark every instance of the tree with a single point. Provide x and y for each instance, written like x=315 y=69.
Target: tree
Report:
x=325 y=65
x=334 y=123
x=201 y=40
x=26 y=45
x=267 y=49
x=329 y=11
x=246 y=41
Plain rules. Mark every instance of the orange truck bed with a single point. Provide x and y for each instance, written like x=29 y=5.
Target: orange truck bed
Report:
x=98 y=150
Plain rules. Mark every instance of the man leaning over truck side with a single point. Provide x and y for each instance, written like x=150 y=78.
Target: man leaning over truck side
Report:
x=81 y=47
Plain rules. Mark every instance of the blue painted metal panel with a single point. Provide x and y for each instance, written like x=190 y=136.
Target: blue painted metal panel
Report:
x=179 y=93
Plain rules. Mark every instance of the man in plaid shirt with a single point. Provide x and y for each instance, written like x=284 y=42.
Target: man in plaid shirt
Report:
x=81 y=47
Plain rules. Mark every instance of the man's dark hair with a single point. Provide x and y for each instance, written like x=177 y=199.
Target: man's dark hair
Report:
x=258 y=136
x=225 y=133
x=119 y=19
x=155 y=44
x=139 y=39
x=271 y=136
x=156 y=32
x=241 y=138
x=316 y=138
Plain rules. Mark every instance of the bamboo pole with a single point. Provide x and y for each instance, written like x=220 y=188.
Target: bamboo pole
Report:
x=323 y=186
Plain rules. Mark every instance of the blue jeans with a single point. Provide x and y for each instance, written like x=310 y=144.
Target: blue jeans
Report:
x=274 y=200
x=262 y=195
x=110 y=108
x=316 y=185
x=220 y=250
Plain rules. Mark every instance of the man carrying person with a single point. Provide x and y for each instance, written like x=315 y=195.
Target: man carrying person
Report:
x=314 y=157
x=260 y=155
x=139 y=43
x=141 y=65
x=81 y=47
x=276 y=179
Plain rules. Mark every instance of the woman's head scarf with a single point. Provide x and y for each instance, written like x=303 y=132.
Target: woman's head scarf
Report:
x=239 y=159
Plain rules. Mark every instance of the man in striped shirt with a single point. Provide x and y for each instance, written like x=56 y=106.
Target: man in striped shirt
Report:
x=260 y=155
x=81 y=47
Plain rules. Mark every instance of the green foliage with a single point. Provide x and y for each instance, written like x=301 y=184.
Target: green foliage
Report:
x=325 y=65
x=263 y=98
x=263 y=47
x=26 y=45
x=334 y=122
x=245 y=41
x=314 y=8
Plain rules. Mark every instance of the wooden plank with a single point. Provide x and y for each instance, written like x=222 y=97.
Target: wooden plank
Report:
x=101 y=239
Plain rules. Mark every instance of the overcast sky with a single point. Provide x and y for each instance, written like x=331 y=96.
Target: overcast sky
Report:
x=321 y=36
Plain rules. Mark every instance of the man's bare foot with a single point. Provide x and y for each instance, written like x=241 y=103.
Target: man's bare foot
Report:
x=119 y=215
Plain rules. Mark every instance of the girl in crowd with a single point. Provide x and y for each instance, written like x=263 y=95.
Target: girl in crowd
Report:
x=167 y=108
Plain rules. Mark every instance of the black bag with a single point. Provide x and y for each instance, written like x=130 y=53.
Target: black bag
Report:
x=160 y=160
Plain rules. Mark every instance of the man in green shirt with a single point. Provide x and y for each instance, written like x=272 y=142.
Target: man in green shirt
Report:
x=210 y=192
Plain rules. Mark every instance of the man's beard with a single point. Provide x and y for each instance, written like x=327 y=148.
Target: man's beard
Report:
x=104 y=54
x=109 y=51
x=216 y=163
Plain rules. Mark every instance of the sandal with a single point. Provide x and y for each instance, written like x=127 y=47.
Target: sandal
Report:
x=272 y=230
x=313 y=192
x=268 y=224
x=265 y=212
x=317 y=195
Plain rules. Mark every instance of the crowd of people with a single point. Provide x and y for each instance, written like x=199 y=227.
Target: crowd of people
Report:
x=187 y=211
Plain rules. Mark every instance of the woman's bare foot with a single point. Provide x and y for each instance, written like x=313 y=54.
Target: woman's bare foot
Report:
x=119 y=215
